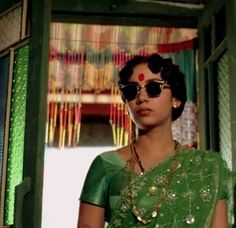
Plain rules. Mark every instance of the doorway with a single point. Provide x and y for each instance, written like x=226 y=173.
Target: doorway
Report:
x=85 y=114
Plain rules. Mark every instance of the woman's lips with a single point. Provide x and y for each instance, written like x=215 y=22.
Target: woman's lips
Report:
x=144 y=111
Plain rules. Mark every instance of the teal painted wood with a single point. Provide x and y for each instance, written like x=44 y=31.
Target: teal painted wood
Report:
x=218 y=46
x=4 y=64
x=210 y=50
x=125 y=12
x=36 y=115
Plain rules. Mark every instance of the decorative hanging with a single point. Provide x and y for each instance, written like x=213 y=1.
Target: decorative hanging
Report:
x=85 y=60
x=64 y=118
x=119 y=120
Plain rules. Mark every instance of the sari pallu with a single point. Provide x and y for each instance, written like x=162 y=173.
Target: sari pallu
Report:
x=200 y=180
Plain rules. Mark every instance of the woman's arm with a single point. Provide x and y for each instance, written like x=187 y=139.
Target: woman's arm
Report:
x=220 y=219
x=91 y=216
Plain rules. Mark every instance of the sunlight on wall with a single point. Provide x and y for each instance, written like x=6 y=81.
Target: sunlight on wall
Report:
x=64 y=174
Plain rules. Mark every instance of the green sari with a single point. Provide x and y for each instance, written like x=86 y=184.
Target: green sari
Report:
x=200 y=180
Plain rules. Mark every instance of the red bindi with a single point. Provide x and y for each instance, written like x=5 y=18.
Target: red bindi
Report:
x=141 y=77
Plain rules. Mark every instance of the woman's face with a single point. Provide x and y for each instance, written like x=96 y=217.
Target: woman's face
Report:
x=150 y=112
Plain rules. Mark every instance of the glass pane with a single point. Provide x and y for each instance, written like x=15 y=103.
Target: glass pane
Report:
x=17 y=130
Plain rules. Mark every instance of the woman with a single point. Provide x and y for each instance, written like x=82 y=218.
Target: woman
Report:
x=154 y=181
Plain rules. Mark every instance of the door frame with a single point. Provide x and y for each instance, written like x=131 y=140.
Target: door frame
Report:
x=47 y=11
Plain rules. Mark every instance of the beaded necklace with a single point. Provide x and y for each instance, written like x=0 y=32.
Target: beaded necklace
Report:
x=145 y=219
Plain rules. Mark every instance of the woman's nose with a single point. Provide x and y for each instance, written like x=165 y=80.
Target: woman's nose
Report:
x=142 y=95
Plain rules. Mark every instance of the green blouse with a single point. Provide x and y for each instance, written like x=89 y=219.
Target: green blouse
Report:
x=201 y=179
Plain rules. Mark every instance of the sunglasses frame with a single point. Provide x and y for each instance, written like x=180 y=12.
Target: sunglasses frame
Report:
x=162 y=84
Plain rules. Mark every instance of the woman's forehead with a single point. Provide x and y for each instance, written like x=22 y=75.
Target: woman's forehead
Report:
x=141 y=72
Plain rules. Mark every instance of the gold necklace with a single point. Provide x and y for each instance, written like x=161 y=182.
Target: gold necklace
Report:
x=155 y=210
x=136 y=157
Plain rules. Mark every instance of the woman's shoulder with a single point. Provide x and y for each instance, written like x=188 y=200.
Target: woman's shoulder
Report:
x=197 y=156
x=110 y=154
x=109 y=158
x=199 y=153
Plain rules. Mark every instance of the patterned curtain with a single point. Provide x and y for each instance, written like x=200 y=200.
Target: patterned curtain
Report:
x=84 y=62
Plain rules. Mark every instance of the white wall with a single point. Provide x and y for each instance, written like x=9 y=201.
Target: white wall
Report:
x=64 y=173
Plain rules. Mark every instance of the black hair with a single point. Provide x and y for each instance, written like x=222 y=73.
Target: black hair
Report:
x=169 y=73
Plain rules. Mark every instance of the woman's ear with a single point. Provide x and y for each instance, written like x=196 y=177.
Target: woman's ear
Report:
x=175 y=102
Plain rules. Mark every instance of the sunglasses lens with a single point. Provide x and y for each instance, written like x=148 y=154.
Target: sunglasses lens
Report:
x=153 y=89
x=129 y=92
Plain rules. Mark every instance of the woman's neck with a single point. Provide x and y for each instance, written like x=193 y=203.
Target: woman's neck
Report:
x=156 y=142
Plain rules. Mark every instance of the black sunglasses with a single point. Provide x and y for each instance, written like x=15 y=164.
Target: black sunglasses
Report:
x=132 y=89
